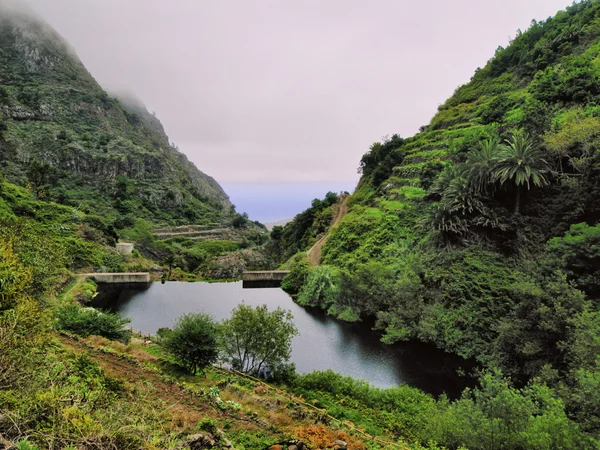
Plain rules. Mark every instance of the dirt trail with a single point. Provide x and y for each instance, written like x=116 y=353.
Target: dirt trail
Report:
x=314 y=254
x=133 y=373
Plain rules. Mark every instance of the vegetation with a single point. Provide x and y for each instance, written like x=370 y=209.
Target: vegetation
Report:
x=258 y=341
x=479 y=235
x=304 y=230
x=492 y=416
x=192 y=341
x=89 y=321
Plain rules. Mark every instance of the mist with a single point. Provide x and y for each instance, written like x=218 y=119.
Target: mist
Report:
x=272 y=94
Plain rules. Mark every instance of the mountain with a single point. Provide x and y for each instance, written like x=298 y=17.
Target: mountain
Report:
x=62 y=134
x=481 y=233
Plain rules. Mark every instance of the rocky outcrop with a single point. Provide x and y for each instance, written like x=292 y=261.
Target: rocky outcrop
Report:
x=232 y=265
x=203 y=441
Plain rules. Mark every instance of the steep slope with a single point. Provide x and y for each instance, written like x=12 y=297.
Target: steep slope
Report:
x=480 y=234
x=62 y=134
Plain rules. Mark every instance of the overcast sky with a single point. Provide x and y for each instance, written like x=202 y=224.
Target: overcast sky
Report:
x=282 y=91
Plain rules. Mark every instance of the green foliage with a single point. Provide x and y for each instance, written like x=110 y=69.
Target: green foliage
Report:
x=193 y=341
x=579 y=255
x=521 y=162
x=91 y=322
x=299 y=234
x=320 y=288
x=207 y=424
x=497 y=416
x=492 y=416
x=299 y=271
x=255 y=339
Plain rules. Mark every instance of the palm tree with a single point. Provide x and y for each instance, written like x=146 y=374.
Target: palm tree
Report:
x=520 y=161
x=481 y=162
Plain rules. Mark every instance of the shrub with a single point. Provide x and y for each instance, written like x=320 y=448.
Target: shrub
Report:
x=321 y=287
x=579 y=255
x=193 y=341
x=294 y=281
x=88 y=321
x=256 y=339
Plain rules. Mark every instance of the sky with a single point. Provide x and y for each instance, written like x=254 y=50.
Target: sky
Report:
x=278 y=100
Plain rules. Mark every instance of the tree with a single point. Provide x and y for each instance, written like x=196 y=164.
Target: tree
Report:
x=256 y=339
x=240 y=220
x=193 y=341
x=481 y=162
x=520 y=161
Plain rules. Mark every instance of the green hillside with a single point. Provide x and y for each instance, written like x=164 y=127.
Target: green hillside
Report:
x=65 y=137
x=481 y=233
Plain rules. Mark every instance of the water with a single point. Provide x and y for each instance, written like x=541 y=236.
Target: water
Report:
x=323 y=343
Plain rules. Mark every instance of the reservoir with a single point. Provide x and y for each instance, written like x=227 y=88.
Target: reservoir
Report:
x=323 y=342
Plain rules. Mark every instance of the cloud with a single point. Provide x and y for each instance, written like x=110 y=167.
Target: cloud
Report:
x=275 y=91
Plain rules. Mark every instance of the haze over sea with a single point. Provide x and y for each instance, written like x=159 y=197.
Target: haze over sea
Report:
x=271 y=202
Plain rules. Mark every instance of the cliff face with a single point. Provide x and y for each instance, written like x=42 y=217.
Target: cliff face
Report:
x=63 y=134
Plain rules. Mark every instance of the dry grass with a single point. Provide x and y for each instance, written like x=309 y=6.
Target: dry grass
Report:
x=319 y=436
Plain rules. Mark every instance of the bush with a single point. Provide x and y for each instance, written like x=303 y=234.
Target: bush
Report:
x=579 y=256
x=321 y=287
x=193 y=341
x=88 y=321
x=256 y=340
x=294 y=281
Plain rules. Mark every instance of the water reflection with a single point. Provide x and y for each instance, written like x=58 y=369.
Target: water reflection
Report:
x=323 y=343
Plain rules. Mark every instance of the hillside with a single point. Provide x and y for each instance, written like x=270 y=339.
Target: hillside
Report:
x=63 y=135
x=481 y=233
x=67 y=141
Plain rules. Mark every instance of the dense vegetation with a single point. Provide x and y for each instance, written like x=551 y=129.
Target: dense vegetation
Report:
x=304 y=230
x=480 y=233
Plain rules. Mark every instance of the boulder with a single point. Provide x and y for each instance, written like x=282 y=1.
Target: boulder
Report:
x=339 y=445
x=201 y=441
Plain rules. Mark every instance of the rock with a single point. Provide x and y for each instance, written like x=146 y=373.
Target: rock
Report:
x=293 y=447
x=340 y=445
x=201 y=441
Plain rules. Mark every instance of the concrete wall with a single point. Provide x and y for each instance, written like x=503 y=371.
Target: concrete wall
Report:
x=265 y=275
x=124 y=248
x=127 y=278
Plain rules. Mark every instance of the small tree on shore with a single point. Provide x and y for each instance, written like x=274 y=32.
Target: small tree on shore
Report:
x=193 y=341
x=254 y=339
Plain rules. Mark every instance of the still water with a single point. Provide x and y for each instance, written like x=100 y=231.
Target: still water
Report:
x=323 y=342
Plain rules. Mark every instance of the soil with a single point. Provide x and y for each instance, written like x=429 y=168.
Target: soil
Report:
x=314 y=254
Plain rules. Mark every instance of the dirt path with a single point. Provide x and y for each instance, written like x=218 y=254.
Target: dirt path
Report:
x=314 y=254
x=133 y=373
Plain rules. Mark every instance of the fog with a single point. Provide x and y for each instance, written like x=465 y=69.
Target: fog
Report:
x=268 y=93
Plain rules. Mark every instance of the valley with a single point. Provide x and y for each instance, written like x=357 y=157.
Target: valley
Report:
x=451 y=301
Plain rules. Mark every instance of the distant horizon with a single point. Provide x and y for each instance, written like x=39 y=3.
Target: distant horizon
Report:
x=272 y=202
x=286 y=92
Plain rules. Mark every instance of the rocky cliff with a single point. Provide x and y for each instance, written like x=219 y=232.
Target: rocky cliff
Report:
x=64 y=136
